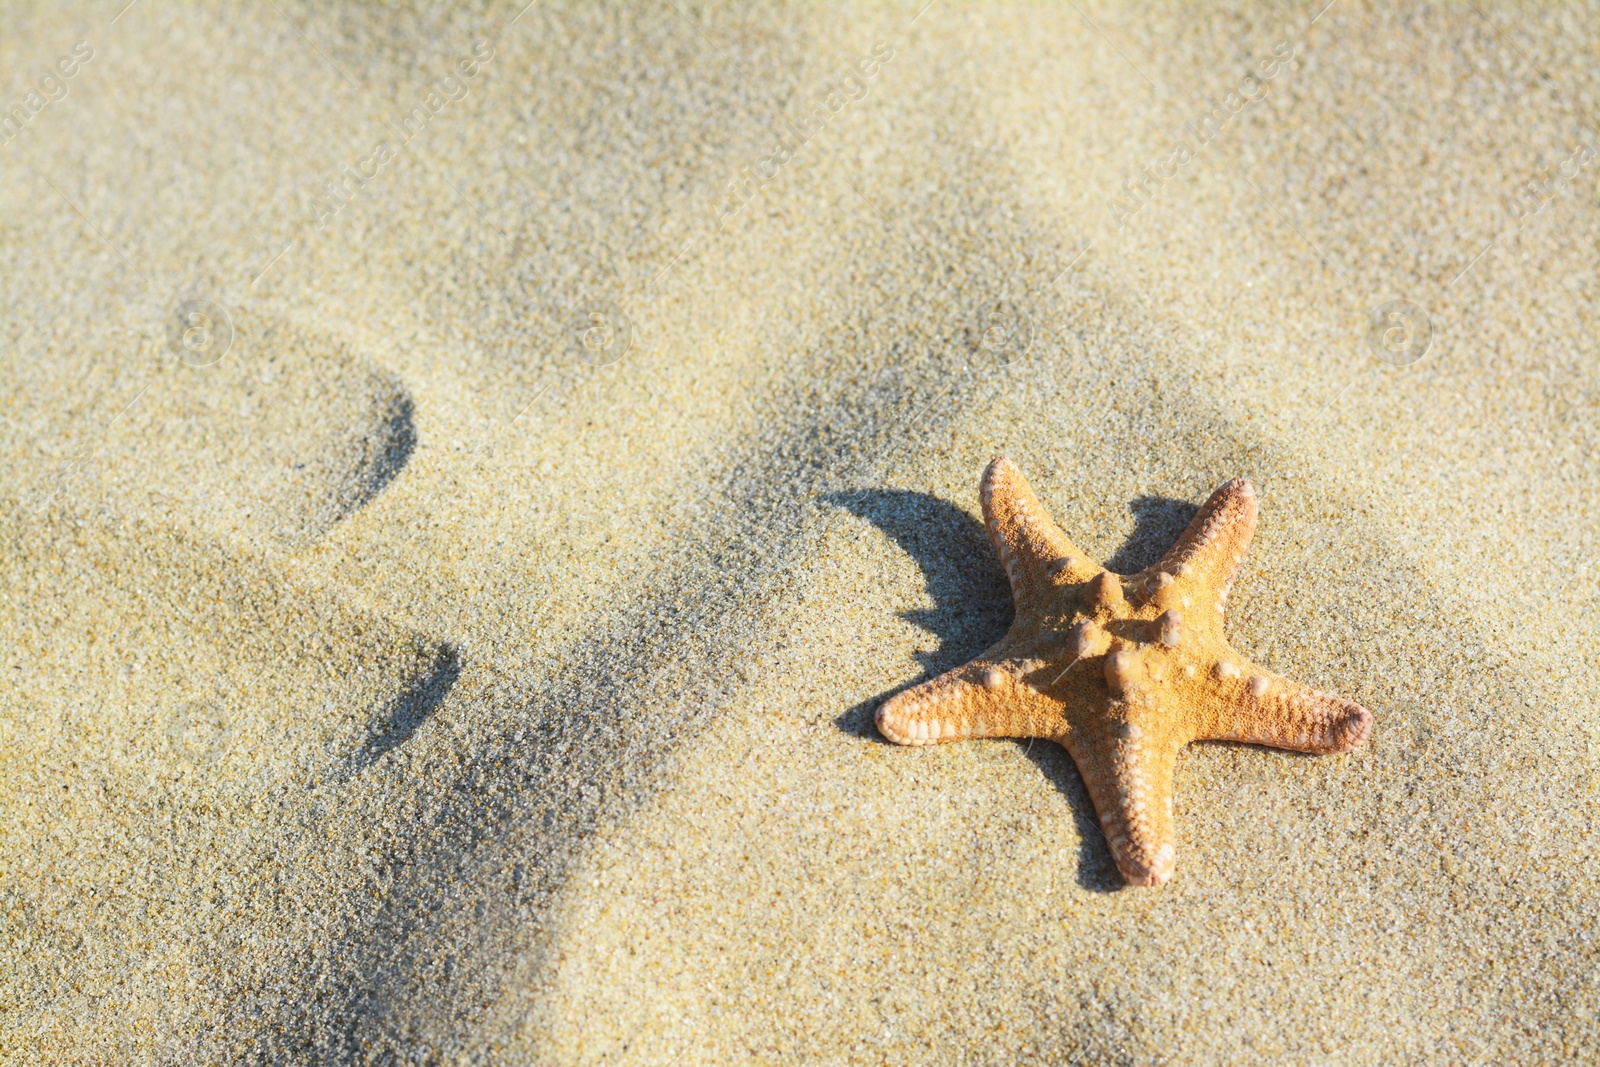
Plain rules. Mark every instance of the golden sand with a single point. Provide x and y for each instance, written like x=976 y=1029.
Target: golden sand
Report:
x=452 y=556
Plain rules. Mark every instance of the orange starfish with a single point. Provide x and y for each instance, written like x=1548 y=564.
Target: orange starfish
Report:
x=1122 y=671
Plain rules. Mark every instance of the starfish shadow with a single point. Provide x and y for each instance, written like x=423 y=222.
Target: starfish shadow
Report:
x=1157 y=523
x=971 y=596
x=972 y=610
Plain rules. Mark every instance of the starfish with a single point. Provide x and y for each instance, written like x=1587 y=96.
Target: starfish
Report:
x=1123 y=671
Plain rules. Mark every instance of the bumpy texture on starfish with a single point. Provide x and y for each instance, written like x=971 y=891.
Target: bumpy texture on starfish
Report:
x=1122 y=671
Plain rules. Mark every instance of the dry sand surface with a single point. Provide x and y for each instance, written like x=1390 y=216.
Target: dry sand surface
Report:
x=383 y=679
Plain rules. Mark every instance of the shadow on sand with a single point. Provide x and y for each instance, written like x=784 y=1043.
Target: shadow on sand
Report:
x=393 y=725
x=972 y=610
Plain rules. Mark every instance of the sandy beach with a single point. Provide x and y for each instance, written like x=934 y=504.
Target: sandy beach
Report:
x=469 y=477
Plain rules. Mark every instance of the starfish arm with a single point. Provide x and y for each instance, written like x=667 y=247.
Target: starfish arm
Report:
x=1217 y=537
x=979 y=699
x=1262 y=708
x=1130 y=780
x=1031 y=547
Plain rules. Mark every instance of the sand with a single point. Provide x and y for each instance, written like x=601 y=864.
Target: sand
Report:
x=460 y=643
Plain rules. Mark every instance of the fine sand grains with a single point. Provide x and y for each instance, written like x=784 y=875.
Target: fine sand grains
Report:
x=464 y=648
